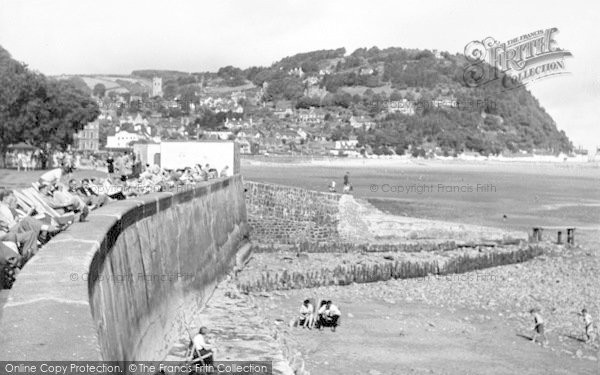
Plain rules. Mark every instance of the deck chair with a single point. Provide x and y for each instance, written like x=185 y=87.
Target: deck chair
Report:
x=200 y=359
x=25 y=206
x=23 y=202
x=38 y=202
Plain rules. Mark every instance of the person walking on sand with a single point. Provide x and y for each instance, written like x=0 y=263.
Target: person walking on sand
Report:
x=590 y=333
x=347 y=185
x=539 y=326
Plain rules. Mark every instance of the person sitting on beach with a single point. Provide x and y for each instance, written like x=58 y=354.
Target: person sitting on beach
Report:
x=539 y=326
x=590 y=334
x=329 y=314
x=332 y=187
x=307 y=314
x=202 y=351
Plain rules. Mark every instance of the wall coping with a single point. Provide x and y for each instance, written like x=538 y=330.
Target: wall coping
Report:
x=288 y=187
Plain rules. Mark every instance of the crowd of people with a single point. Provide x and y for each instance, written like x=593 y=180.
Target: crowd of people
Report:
x=40 y=159
x=29 y=218
x=21 y=235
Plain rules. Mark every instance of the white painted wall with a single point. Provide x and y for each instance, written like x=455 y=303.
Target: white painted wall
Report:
x=187 y=154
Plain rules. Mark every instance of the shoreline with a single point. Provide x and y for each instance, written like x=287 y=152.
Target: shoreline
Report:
x=389 y=162
x=559 y=169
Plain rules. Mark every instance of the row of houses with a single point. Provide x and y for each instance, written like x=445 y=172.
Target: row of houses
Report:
x=251 y=141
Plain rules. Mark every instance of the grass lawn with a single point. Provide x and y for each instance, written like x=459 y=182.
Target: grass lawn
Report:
x=13 y=179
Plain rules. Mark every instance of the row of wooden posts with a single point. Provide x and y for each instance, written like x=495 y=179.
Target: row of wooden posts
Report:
x=537 y=236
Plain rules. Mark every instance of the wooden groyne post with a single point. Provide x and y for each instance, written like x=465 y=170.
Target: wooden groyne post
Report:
x=537 y=234
x=571 y=236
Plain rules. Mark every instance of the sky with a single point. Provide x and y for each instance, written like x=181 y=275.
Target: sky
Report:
x=116 y=37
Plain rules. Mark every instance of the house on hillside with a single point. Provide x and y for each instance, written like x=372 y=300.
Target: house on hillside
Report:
x=88 y=139
x=303 y=135
x=283 y=109
x=236 y=96
x=296 y=72
x=105 y=115
x=358 y=122
x=311 y=116
x=313 y=91
x=345 y=148
x=346 y=145
x=135 y=98
x=445 y=102
x=287 y=135
x=122 y=139
x=235 y=123
x=251 y=134
x=311 y=81
x=217 y=135
x=366 y=71
x=401 y=106
x=244 y=145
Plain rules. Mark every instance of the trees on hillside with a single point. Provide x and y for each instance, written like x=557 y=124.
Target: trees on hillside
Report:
x=99 y=90
x=38 y=110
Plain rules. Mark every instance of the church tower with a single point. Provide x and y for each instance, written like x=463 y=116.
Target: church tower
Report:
x=157 y=87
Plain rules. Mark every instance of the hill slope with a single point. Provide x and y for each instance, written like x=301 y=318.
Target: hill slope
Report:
x=488 y=118
x=448 y=114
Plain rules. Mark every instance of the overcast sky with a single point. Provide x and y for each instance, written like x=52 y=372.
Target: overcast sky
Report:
x=108 y=36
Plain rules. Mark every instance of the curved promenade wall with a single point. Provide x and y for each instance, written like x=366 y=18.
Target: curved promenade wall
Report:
x=124 y=285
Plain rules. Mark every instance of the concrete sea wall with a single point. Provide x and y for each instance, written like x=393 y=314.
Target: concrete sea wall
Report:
x=125 y=284
x=280 y=214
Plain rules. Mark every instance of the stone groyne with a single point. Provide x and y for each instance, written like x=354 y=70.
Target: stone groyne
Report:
x=280 y=214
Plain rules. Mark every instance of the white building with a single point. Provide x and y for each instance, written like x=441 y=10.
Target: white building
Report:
x=402 y=106
x=121 y=139
x=346 y=145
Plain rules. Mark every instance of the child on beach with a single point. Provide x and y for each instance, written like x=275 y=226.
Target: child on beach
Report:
x=539 y=326
x=590 y=334
x=332 y=187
